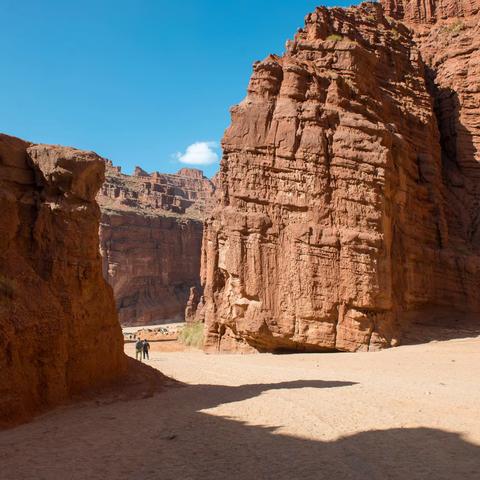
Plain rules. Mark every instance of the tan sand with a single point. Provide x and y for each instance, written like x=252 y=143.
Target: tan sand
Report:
x=407 y=413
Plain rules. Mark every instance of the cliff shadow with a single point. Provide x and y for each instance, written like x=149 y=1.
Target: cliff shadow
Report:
x=209 y=446
x=460 y=166
x=457 y=317
x=174 y=436
x=440 y=324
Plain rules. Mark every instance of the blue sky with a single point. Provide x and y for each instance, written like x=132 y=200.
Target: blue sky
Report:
x=142 y=82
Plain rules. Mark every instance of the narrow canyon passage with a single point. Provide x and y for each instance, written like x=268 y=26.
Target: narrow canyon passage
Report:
x=338 y=212
x=410 y=412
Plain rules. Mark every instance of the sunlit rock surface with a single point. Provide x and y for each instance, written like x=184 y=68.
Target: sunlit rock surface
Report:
x=347 y=212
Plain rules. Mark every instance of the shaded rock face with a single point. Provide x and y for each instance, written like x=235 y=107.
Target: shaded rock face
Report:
x=450 y=46
x=151 y=263
x=55 y=307
x=192 y=307
x=151 y=236
x=340 y=223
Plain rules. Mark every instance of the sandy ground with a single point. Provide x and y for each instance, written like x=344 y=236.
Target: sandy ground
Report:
x=406 y=413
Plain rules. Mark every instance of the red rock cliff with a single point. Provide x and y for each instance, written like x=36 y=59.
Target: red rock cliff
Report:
x=430 y=11
x=151 y=235
x=340 y=224
x=449 y=42
x=55 y=307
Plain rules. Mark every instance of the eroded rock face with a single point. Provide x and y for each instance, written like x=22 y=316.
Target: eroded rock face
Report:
x=191 y=309
x=450 y=46
x=430 y=11
x=339 y=223
x=59 y=331
x=151 y=235
x=188 y=192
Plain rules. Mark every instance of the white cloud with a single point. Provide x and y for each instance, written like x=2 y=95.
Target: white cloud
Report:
x=199 y=153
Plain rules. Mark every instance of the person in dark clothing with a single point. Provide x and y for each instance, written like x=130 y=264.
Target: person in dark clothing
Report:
x=146 y=348
x=138 y=350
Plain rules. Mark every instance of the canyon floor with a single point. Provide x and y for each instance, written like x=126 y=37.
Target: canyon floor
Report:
x=406 y=413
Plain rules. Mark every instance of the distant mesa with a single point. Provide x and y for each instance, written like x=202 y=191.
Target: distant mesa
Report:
x=139 y=172
x=187 y=193
x=151 y=236
x=183 y=172
x=191 y=172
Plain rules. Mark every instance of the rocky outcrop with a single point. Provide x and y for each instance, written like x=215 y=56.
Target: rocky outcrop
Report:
x=430 y=11
x=192 y=307
x=340 y=224
x=187 y=193
x=449 y=42
x=55 y=307
x=151 y=234
x=151 y=262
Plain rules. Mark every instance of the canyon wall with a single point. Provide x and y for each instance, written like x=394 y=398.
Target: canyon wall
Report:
x=449 y=41
x=341 y=220
x=430 y=11
x=59 y=332
x=151 y=236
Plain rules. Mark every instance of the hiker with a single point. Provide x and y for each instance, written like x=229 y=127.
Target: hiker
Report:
x=138 y=350
x=146 y=348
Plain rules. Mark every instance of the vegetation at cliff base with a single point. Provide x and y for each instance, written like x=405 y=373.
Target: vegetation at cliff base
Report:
x=192 y=335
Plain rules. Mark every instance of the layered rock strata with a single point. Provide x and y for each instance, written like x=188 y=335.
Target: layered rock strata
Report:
x=151 y=234
x=340 y=223
x=55 y=306
x=449 y=41
x=188 y=192
x=447 y=34
x=430 y=11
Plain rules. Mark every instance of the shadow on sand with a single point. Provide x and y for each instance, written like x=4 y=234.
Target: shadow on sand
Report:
x=442 y=326
x=170 y=436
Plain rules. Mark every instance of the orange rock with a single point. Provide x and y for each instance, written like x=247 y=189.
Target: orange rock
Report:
x=339 y=223
x=449 y=42
x=193 y=303
x=422 y=11
x=59 y=332
x=151 y=237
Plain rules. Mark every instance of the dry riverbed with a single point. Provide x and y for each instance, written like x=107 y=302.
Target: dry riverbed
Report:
x=407 y=413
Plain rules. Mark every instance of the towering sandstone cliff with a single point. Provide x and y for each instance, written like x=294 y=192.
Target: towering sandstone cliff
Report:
x=55 y=306
x=347 y=211
x=448 y=36
x=151 y=236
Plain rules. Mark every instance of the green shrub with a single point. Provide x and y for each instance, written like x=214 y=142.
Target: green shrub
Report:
x=335 y=37
x=456 y=27
x=7 y=287
x=192 y=335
